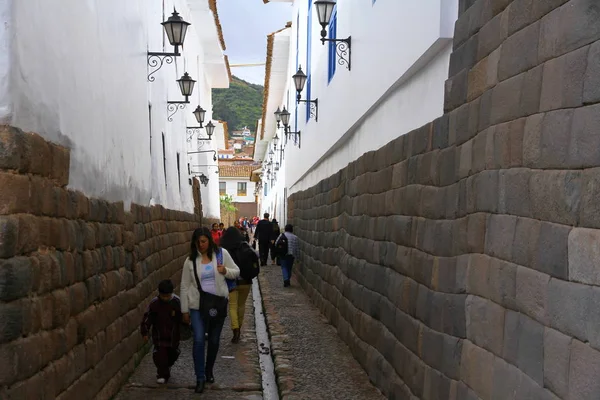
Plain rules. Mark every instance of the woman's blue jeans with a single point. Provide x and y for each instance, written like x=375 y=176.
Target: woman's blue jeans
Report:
x=200 y=326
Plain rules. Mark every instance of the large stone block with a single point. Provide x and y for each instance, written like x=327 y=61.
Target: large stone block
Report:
x=543 y=7
x=486 y=191
x=556 y=196
x=569 y=307
x=552 y=250
x=485 y=324
x=591 y=85
x=532 y=293
x=499 y=236
x=529 y=102
x=502 y=278
x=519 y=51
x=589 y=206
x=519 y=15
x=562 y=85
x=557 y=355
x=492 y=35
x=514 y=196
x=584 y=256
x=506 y=97
x=584 y=138
x=16 y=278
x=506 y=381
x=569 y=27
x=477 y=369
x=546 y=140
x=584 y=371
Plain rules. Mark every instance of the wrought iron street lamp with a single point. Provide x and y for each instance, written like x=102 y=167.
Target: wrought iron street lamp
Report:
x=284 y=116
x=186 y=86
x=199 y=113
x=299 y=81
x=204 y=179
x=278 y=117
x=343 y=46
x=175 y=28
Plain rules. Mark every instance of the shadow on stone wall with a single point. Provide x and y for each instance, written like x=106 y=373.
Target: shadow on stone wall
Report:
x=75 y=276
x=460 y=261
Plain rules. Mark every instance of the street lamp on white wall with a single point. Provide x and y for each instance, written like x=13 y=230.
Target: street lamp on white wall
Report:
x=175 y=28
x=299 y=81
x=199 y=113
x=284 y=117
x=343 y=47
x=186 y=86
x=204 y=179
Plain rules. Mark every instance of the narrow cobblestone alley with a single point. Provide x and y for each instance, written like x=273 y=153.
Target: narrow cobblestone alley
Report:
x=311 y=361
x=237 y=374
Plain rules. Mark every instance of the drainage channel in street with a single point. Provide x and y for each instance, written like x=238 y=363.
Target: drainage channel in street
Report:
x=269 y=383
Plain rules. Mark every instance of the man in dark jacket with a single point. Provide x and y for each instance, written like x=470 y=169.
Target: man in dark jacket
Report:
x=164 y=317
x=264 y=234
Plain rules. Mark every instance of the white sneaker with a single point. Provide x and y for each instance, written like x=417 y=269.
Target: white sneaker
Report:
x=160 y=380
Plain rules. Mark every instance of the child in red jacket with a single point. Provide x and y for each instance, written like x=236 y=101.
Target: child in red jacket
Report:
x=164 y=317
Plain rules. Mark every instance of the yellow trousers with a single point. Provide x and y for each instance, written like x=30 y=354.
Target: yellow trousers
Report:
x=237 y=305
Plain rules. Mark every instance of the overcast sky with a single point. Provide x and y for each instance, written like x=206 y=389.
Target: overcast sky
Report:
x=246 y=24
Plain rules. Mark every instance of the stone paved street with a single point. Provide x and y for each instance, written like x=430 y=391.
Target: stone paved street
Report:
x=237 y=372
x=311 y=360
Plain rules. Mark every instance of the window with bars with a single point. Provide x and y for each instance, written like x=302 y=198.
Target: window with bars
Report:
x=241 y=188
x=222 y=188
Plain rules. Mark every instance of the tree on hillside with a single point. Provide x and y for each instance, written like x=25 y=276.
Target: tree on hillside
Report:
x=240 y=105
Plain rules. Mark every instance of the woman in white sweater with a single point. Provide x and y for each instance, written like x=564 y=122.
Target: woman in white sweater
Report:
x=213 y=265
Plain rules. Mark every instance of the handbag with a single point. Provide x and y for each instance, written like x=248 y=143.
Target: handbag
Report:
x=211 y=305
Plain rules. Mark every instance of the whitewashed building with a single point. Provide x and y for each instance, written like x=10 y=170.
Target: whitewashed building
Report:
x=80 y=75
x=387 y=81
x=234 y=181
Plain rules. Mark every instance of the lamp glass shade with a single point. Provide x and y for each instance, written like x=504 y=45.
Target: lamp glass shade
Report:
x=324 y=11
x=278 y=115
x=275 y=140
x=175 y=28
x=210 y=129
x=199 y=113
x=299 y=80
x=203 y=179
x=285 y=117
x=186 y=85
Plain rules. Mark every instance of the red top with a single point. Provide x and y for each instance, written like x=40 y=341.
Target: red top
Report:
x=216 y=235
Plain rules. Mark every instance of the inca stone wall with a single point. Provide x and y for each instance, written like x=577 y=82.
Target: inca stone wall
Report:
x=75 y=276
x=462 y=260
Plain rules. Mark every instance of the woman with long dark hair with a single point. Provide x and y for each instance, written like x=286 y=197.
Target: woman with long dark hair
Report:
x=248 y=262
x=204 y=299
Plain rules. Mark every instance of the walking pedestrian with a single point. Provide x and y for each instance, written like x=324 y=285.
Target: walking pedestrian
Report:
x=274 y=236
x=242 y=231
x=163 y=316
x=247 y=261
x=216 y=233
x=204 y=299
x=287 y=245
x=264 y=233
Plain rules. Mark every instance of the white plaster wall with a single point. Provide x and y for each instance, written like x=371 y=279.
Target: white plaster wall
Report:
x=231 y=189
x=400 y=56
x=6 y=29
x=80 y=79
x=275 y=202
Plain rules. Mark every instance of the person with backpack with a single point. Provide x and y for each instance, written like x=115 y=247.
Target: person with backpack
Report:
x=264 y=234
x=288 y=250
x=204 y=299
x=247 y=261
x=274 y=235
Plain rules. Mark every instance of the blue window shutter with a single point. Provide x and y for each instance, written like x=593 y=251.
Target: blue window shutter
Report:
x=308 y=57
x=332 y=46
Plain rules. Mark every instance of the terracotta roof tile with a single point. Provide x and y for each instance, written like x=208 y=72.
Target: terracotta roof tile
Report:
x=236 y=171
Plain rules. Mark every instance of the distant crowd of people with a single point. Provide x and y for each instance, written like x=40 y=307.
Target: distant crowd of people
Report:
x=216 y=279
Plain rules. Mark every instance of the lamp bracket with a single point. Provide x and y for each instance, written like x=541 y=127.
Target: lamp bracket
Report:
x=343 y=49
x=297 y=135
x=192 y=130
x=173 y=107
x=314 y=107
x=156 y=61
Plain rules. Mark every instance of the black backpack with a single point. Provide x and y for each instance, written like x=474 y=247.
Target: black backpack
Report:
x=247 y=260
x=281 y=246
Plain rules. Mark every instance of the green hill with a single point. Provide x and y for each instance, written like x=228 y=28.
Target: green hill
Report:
x=240 y=105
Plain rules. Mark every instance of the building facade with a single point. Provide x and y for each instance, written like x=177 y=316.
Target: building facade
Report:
x=394 y=72
x=88 y=84
x=234 y=182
